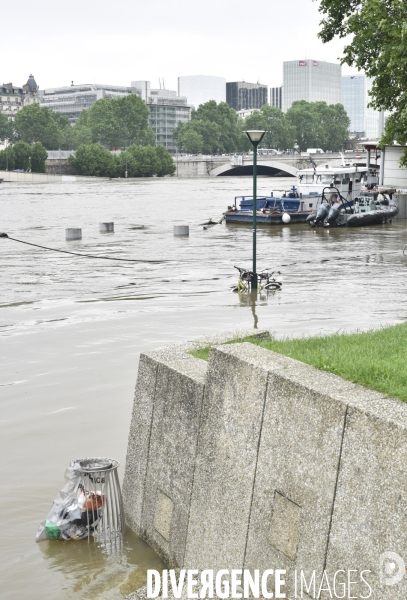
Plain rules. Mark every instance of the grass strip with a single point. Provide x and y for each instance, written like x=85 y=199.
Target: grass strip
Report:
x=376 y=359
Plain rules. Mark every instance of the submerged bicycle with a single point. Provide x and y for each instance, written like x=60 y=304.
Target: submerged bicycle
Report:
x=266 y=280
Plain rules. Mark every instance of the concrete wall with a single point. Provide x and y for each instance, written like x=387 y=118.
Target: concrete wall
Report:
x=254 y=460
x=12 y=177
x=59 y=166
x=401 y=200
x=392 y=173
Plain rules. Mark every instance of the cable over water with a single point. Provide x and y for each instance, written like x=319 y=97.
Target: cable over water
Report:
x=135 y=260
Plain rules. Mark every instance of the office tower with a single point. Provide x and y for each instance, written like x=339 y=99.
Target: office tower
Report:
x=166 y=111
x=276 y=97
x=366 y=122
x=242 y=95
x=72 y=100
x=311 y=80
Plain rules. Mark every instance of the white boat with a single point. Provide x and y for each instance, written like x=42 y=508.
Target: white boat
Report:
x=346 y=183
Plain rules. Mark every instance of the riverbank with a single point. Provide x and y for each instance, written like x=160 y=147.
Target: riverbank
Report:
x=375 y=359
x=254 y=460
x=73 y=329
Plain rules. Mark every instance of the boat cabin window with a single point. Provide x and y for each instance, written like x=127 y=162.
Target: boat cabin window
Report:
x=345 y=179
x=337 y=181
x=326 y=178
x=308 y=179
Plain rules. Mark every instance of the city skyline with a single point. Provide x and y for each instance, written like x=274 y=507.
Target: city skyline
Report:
x=172 y=40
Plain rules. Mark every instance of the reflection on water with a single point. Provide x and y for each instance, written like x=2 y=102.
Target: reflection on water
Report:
x=255 y=298
x=92 y=572
x=72 y=329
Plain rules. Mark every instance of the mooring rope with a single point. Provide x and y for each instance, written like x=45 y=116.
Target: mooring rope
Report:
x=4 y=235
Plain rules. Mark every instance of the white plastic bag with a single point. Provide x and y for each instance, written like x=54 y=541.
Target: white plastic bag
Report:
x=76 y=511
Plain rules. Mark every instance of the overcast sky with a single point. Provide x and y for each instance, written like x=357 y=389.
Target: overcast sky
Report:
x=118 y=41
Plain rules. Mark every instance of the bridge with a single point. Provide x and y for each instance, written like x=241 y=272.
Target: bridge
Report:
x=273 y=165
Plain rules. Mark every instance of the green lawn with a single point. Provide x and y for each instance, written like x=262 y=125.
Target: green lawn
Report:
x=376 y=359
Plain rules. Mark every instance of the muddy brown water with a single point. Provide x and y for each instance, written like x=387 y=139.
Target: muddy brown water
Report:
x=72 y=329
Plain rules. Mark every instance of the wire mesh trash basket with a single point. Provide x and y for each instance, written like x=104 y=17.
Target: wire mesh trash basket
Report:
x=89 y=506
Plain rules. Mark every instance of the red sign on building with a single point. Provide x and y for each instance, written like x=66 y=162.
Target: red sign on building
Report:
x=315 y=63
x=302 y=63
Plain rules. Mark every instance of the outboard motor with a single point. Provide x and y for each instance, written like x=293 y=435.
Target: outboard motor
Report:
x=322 y=214
x=333 y=214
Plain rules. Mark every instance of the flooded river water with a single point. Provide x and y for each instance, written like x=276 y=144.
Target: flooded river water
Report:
x=72 y=328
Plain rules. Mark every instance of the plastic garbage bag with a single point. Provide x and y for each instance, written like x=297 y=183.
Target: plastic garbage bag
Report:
x=76 y=511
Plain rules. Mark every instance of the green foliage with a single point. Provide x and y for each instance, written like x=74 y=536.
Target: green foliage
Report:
x=18 y=157
x=7 y=159
x=116 y=123
x=191 y=140
x=37 y=124
x=166 y=163
x=280 y=133
x=5 y=128
x=378 y=30
x=38 y=158
x=94 y=160
x=375 y=359
x=22 y=152
x=213 y=128
x=140 y=161
x=318 y=125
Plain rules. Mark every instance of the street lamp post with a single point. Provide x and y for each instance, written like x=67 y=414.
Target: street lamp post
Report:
x=255 y=137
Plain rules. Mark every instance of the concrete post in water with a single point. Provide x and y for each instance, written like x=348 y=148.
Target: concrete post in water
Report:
x=73 y=234
x=181 y=230
x=106 y=227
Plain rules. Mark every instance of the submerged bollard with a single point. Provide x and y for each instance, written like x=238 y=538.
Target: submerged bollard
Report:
x=181 y=229
x=73 y=234
x=106 y=227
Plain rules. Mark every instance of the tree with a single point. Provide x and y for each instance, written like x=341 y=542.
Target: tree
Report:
x=139 y=161
x=5 y=128
x=190 y=140
x=38 y=157
x=146 y=161
x=335 y=122
x=94 y=160
x=318 y=125
x=23 y=152
x=379 y=48
x=82 y=133
x=131 y=116
x=7 y=159
x=37 y=124
x=216 y=128
x=308 y=131
x=66 y=137
x=118 y=122
x=280 y=133
x=167 y=166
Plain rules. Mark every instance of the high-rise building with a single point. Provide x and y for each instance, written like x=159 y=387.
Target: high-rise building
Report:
x=365 y=122
x=199 y=89
x=72 y=100
x=166 y=111
x=311 y=80
x=276 y=97
x=166 y=108
x=242 y=95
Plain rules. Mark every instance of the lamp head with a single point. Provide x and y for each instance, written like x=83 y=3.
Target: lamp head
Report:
x=255 y=136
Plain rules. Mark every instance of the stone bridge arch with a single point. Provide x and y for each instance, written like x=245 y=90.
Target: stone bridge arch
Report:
x=266 y=167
